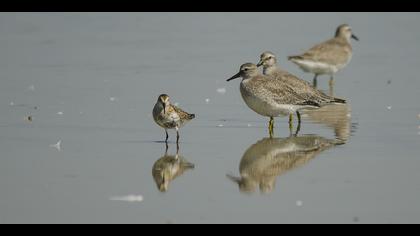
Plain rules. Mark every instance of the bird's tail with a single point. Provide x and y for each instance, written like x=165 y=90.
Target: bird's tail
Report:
x=339 y=100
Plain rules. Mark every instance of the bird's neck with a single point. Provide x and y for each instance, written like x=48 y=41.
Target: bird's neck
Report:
x=270 y=69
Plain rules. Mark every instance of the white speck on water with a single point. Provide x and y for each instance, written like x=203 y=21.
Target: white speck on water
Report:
x=112 y=99
x=128 y=198
x=207 y=100
x=220 y=125
x=12 y=104
x=81 y=113
x=60 y=113
x=299 y=203
x=389 y=107
x=249 y=125
x=221 y=90
x=57 y=145
x=32 y=88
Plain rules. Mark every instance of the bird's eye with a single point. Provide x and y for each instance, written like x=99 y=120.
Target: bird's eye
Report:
x=246 y=69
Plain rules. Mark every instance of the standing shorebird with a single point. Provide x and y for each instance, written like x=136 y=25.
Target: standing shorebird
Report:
x=273 y=97
x=169 y=116
x=328 y=57
x=269 y=63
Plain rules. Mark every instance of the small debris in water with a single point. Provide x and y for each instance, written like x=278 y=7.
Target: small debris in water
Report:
x=249 y=125
x=32 y=88
x=299 y=203
x=220 y=125
x=389 y=107
x=29 y=118
x=221 y=90
x=60 y=113
x=389 y=82
x=57 y=145
x=207 y=100
x=12 y=104
x=112 y=99
x=129 y=198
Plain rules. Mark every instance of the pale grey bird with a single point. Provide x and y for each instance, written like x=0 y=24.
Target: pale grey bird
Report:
x=272 y=97
x=270 y=68
x=328 y=57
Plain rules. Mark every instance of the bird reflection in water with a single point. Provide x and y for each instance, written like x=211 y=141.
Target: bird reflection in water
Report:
x=269 y=158
x=337 y=117
x=168 y=168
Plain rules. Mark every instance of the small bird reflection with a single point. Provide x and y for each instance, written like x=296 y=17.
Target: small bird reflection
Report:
x=269 y=158
x=168 y=168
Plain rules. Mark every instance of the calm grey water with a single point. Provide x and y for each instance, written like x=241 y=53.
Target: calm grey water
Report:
x=91 y=80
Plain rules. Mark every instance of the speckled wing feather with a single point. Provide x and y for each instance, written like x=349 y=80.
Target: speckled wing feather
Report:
x=286 y=94
x=182 y=114
x=304 y=89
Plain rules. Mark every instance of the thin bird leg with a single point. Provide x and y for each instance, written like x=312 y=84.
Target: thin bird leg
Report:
x=271 y=127
x=166 y=150
x=177 y=135
x=315 y=82
x=299 y=117
x=332 y=80
x=331 y=90
x=291 y=123
x=167 y=136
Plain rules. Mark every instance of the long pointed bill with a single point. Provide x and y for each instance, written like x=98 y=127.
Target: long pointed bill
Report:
x=354 y=37
x=164 y=108
x=235 y=76
x=260 y=63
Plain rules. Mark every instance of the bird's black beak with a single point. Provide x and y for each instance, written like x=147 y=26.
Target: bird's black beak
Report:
x=164 y=108
x=354 y=37
x=260 y=63
x=235 y=76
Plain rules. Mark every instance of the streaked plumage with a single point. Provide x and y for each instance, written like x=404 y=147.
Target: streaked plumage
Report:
x=269 y=62
x=272 y=97
x=169 y=116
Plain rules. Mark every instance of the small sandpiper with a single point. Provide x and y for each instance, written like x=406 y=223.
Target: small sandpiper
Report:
x=169 y=116
x=328 y=57
x=276 y=97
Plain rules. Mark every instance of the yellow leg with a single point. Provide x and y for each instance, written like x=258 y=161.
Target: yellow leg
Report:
x=332 y=82
x=271 y=127
x=291 y=122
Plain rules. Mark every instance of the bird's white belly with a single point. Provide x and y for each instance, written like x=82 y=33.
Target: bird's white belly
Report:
x=268 y=109
x=319 y=67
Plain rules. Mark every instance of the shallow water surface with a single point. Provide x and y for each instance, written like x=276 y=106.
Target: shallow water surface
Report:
x=90 y=80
